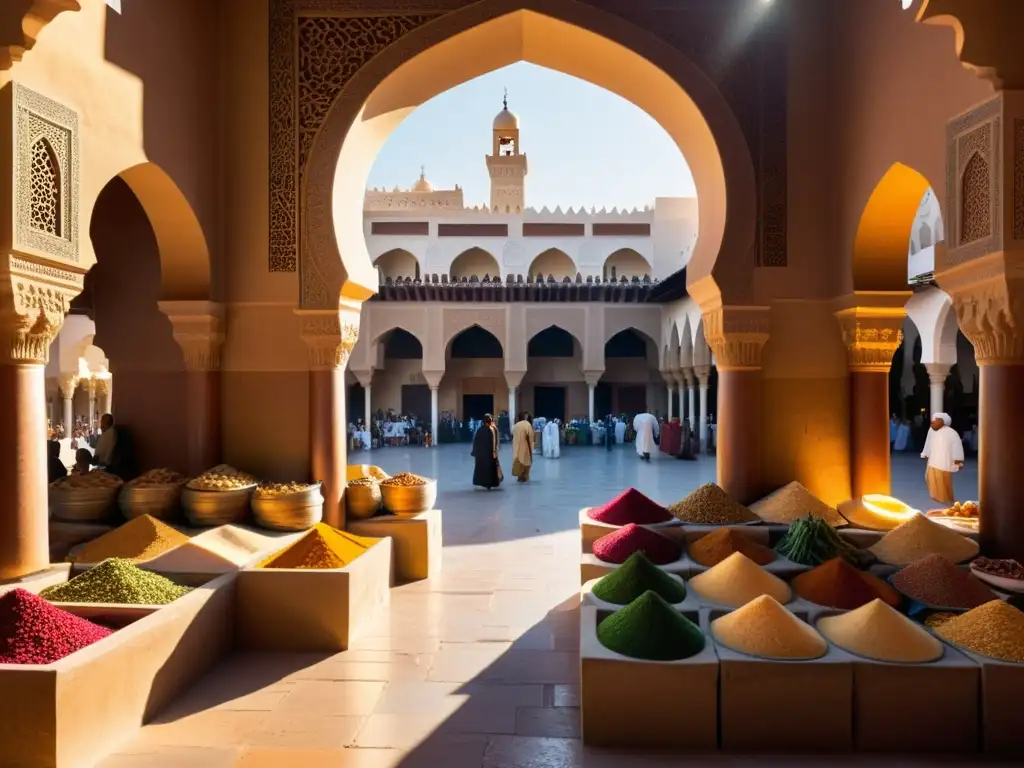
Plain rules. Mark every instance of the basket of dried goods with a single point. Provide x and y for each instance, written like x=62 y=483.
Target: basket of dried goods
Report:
x=84 y=498
x=287 y=506
x=156 y=493
x=356 y=471
x=218 y=496
x=363 y=498
x=408 y=494
x=1007 y=575
x=964 y=518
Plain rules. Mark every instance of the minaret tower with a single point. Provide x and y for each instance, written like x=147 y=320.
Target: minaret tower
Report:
x=506 y=164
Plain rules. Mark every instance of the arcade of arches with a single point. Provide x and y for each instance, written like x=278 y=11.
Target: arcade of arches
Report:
x=224 y=349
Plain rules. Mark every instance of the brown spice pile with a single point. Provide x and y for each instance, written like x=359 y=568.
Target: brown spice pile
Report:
x=995 y=629
x=710 y=505
x=937 y=581
x=919 y=537
x=713 y=548
x=792 y=502
x=837 y=584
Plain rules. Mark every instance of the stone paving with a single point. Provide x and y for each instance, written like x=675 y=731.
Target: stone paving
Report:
x=477 y=668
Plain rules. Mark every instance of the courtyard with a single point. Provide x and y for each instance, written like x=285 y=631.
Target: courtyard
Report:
x=475 y=668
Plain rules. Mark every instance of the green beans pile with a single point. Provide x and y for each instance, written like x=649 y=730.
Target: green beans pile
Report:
x=116 y=581
x=812 y=541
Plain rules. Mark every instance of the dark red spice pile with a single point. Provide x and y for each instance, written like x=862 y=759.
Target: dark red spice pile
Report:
x=938 y=582
x=34 y=632
x=630 y=506
x=618 y=545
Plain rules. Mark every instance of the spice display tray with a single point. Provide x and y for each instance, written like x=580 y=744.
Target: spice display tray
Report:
x=417 y=542
x=784 y=706
x=631 y=703
x=78 y=709
x=587 y=597
x=57 y=573
x=592 y=530
x=312 y=610
x=167 y=564
x=592 y=567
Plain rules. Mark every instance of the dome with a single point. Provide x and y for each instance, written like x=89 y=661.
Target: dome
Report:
x=506 y=120
x=423 y=185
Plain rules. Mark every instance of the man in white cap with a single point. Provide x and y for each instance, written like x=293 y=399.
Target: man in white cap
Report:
x=945 y=453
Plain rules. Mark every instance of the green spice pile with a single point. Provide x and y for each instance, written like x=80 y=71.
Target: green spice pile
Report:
x=116 y=581
x=635 y=577
x=812 y=541
x=650 y=629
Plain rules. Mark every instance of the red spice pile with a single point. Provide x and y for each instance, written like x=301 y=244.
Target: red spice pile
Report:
x=938 y=582
x=837 y=584
x=618 y=545
x=630 y=506
x=34 y=632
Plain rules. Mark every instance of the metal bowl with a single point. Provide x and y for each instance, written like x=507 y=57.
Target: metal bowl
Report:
x=408 y=500
x=294 y=512
x=159 y=501
x=363 y=501
x=82 y=505
x=208 y=508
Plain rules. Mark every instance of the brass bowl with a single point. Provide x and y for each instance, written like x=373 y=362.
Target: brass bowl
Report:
x=82 y=505
x=208 y=508
x=159 y=501
x=408 y=500
x=363 y=501
x=293 y=512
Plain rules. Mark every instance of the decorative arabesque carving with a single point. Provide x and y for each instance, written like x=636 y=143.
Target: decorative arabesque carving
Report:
x=737 y=336
x=973 y=182
x=329 y=336
x=1018 y=179
x=986 y=295
x=871 y=337
x=975 y=201
x=44 y=189
x=313 y=53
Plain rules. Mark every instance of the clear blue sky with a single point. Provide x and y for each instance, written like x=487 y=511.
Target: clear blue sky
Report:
x=586 y=146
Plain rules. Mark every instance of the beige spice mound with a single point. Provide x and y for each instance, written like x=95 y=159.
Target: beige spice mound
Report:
x=995 y=629
x=919 y=537
x=217 y=550
x=710 y=505
x=738 y=580
x=792 y=502
x=763 y=627
x=878 y=631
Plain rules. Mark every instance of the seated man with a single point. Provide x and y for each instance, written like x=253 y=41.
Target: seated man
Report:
x=55 y=468
x=83 y=462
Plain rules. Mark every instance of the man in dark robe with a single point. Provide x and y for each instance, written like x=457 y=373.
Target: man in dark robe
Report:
x=486 y=471
x=55 y=468
x=504 y=426
x=686 y=443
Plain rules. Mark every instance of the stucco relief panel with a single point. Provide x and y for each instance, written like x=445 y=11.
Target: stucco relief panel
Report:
x=513 y=257
x=1018 y=179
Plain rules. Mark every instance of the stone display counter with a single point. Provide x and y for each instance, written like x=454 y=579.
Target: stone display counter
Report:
x=417 y=542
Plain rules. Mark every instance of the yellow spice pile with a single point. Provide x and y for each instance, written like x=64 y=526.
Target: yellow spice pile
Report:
x=764 y=628
x=919 y=537
x=323 y=547
x=140 y=539
x=878 y=631
x=792 y=502
x=995 y=629
x=738 y=580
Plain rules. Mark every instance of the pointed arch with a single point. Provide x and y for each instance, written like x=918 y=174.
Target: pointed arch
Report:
x=472 y=262
x=975 y=201
x=46 y=206
x=555 y=262
x=628 y=263
x=397 y=263
x=554 y=341
x=475 y=342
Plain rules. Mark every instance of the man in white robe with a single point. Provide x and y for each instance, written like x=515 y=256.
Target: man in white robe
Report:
x=646 y=427
x=552 y=450
x=620 y=431
x=945 y=453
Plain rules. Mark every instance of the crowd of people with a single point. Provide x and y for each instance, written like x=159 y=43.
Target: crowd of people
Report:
x=108 y=448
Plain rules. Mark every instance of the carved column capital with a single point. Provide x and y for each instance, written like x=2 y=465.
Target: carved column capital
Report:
x=34 y=298
x=198 y=329
x=737 y=336
x=514 y=378
x=100 y=386
x=703 y=374
x=68 y=383
x=937 y=372
x=365 y=378
x=330 y=336
x=433 y=378
x=872 y=335
x=592 y=377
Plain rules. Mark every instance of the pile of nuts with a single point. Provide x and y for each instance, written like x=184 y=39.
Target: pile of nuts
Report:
x=363 y=481
x=91 y=480
x=222 y=478
x=276 y=490
x=1007 y=569
x=157 y=477
x=967 y=509
x=405 y=480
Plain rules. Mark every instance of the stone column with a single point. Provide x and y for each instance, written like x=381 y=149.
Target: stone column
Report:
x=198 y=329
x=68 y=385
x=871 y=334
x=434 y=382
x=592 y=378
x=691 y=396
x=513 y=379
x=90 y=388
x=330 y=336
x=107 y=394
x=670 y=385
x=365 y=379
x=703 y=374
x=937 y=373
x=737 y=336
x=512 y=404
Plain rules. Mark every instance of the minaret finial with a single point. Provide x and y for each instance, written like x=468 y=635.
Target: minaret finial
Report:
x=504 y=101
x=423 y=171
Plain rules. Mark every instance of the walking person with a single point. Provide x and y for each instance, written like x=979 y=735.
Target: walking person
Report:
x=945 y=454
x=646 y=428
x=522 y=448
x=486 y=470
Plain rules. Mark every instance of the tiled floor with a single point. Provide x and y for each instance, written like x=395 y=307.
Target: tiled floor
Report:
x=477 y=668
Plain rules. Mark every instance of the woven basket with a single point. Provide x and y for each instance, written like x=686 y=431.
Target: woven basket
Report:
x=409 y=500
x=160 y=501
x=82 y=505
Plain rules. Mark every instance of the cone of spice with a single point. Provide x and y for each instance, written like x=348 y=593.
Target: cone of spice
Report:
x=650 y=629
x=710 y=505
x=938 y=582
x=919 y=537
x=140 y=539
x=877 y=631
x=322 y=548
x=738 y=580
x=618 y=545
x=635 y=577
x=764 y=628
x=793 y=501
x=116 y=581
x=995 y=629
x=713 y=548
x=630 y=506
x=837 y=584
x=34 y=632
